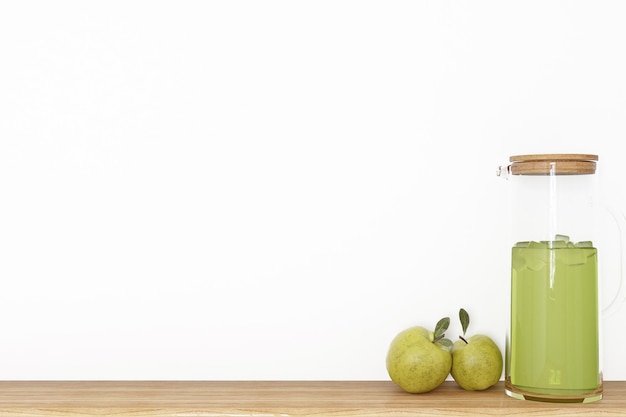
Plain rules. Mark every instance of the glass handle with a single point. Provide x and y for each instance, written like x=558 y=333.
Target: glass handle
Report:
x=620 y=295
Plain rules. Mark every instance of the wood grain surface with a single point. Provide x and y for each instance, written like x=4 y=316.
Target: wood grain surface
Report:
x=278 y=399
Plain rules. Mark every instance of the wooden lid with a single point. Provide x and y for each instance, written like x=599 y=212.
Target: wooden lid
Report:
x=553 y=164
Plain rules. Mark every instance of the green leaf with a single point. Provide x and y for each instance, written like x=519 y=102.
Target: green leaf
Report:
x=441 y=327
x=446 y=342
x=464 y=317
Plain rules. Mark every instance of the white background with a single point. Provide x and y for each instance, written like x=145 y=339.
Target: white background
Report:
x=274 y=189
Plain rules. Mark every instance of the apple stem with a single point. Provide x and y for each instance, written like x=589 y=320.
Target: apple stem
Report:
x=463 y=339
x=438 y=338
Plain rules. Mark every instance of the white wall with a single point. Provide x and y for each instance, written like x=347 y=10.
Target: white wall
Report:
x=274 y=189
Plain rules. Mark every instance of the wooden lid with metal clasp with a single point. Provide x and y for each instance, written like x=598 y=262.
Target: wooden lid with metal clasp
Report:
x=553 y=164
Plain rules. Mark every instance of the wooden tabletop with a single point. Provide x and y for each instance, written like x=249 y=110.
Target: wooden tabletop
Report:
x=277 y=399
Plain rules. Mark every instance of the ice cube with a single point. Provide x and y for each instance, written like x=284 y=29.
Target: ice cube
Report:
x=537 y=263
x=584 y=244
x=558 y=244
x=561 y=237
x=538 y=245
x=518 y=262
x=577 y=256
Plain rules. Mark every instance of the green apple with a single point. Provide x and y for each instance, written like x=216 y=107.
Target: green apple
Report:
x=419 y=360
x=476 y=361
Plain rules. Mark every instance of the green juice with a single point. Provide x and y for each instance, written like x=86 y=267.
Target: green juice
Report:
x=553 y=343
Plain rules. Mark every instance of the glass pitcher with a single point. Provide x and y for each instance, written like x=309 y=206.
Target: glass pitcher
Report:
x=553 y=346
